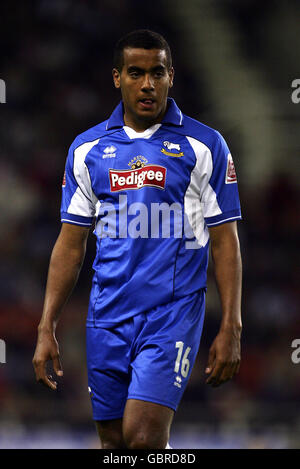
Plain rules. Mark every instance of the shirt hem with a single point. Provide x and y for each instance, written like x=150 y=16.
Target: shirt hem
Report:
x=140 y=397
x=92 y=322
x=107 y=416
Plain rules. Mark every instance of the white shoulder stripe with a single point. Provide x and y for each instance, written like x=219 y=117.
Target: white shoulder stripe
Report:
x=200 y=200
x=81 y=172
x=84 y=200
x=81 y=152
x=203 y=171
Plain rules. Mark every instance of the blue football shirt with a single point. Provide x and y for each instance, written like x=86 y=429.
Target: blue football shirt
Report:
x=152 y=196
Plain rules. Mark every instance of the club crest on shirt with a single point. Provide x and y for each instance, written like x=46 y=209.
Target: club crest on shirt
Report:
x=230 y=171
x=139 y=175
x=171 y=146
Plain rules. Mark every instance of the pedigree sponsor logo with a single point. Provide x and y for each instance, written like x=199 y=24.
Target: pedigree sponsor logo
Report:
x=140 y=175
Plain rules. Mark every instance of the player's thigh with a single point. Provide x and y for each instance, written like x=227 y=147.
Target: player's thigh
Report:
x=146 y=424
x=110 y=433
x=166 y=350
x=108 y=367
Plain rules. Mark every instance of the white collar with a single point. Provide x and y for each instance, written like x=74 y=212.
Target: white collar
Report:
x=145 y=134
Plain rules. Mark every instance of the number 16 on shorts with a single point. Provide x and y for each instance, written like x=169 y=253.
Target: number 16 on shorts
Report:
x=182 y=363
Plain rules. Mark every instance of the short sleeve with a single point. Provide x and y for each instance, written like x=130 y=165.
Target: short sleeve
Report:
x=78 y=200
x=220 y=197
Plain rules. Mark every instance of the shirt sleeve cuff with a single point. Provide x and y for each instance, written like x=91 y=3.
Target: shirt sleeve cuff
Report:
x=76 y=219
x=223 y=218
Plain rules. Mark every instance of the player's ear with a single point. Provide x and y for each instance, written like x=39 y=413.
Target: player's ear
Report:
x=116 y=77
x=171 y=76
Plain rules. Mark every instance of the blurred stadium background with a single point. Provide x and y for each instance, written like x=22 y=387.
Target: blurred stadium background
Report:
x=235 y=62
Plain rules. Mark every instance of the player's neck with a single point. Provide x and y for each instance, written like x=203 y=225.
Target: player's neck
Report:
x=140 y=125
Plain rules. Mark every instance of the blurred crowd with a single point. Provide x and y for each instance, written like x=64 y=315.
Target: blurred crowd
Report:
x=56 y=61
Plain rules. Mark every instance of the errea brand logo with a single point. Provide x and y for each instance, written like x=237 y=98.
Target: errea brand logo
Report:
x=140 y=175
x=178 y=381
x=109 y=152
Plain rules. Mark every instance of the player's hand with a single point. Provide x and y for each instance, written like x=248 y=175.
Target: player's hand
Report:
x=46 y=349
x=224 y=357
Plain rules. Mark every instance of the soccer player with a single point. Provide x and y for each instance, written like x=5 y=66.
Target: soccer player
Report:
x=159 y=185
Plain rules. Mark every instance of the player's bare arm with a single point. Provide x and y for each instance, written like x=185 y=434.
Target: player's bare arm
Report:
x=224 y=355
x=65 y=264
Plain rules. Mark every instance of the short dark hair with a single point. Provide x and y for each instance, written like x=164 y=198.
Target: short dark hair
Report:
x=141 y=39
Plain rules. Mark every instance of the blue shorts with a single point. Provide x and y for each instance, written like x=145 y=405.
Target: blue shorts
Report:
x=148 y=357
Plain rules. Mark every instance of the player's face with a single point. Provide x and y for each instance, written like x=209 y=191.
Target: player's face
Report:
x=144 y=82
